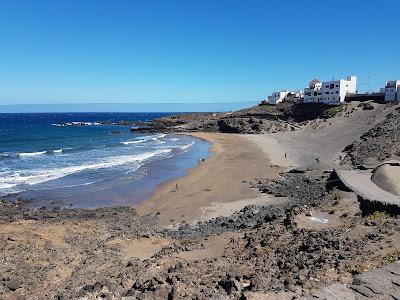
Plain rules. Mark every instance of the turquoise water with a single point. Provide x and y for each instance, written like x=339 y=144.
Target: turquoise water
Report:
x=92 y=165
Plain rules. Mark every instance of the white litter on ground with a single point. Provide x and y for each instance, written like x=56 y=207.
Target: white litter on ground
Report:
x=315 y=219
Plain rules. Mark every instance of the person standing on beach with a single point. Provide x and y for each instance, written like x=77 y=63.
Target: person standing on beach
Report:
x=285 y=155
x=177 y=186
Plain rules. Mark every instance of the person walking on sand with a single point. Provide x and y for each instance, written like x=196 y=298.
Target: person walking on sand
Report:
x=317 y=160
x=285 y=155
x=177 y=186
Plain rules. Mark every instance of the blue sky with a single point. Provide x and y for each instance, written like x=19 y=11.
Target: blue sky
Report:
x=189 y=51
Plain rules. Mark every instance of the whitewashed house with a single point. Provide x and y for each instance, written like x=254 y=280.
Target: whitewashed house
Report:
x=392 y=91
x=277 y=97
x=330 y=92
x=295 y=96
x=313 y=92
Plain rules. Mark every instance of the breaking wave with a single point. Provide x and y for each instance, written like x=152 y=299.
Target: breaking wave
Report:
x=32 y=153
x=40 y=176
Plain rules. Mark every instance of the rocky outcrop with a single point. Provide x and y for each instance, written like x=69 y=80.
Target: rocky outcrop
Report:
x=380 y=143
x=254 y=120
x=264 y=249
x=382 y=283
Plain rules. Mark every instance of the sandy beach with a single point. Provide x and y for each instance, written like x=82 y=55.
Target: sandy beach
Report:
x=217 y=186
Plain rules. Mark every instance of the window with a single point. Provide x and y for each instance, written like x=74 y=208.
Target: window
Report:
x=337 y=85
x=315 y=93
x=337 y=92
x=326 y=93
x=332 y=86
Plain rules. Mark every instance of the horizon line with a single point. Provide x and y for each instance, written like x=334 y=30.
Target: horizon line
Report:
x=131 y=103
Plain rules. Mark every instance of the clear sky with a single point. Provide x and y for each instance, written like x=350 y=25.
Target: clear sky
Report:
x=115 y=51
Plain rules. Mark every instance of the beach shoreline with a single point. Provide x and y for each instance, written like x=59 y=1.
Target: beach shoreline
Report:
x=216 y=187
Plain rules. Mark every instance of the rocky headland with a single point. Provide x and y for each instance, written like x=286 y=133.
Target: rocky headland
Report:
x=255 y=120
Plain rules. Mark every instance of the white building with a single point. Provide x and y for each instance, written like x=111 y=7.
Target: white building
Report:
x=313 y=92
x=295 y=96
x=277 y=97
x=392 y=91
x=330 y=92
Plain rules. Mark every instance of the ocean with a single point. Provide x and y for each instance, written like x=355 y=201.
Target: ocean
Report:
x=91 y=165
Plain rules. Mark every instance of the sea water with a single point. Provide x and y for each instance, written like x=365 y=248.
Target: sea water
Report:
x=92 y=164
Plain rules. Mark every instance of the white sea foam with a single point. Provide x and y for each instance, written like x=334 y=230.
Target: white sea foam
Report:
x=187 y=146
x=58 y=151
x=32 y=153
x=173 y=139
x=6 y=185
x=40 y=176
x=152 y=137
x=133 y=142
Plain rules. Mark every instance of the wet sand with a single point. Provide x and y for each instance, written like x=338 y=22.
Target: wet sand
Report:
x=223 y=178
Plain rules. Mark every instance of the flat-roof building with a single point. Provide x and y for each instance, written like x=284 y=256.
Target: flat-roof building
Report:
x=277 y=97
x=330 y=92
x=313 y=92
x=392 y=91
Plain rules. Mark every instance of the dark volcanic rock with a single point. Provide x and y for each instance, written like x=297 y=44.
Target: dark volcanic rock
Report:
x=380 y=143
x=285 y=116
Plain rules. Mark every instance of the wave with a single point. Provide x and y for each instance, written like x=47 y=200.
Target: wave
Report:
x=187 y=146
x=7 y=185
x=133 y=142
x=5 y=155
x=58 y=151
x=152 y=137
x=32 y=153
x=173 y=139
x=40 y=176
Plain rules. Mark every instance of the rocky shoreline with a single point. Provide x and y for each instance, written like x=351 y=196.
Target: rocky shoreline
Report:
x=268 y=249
